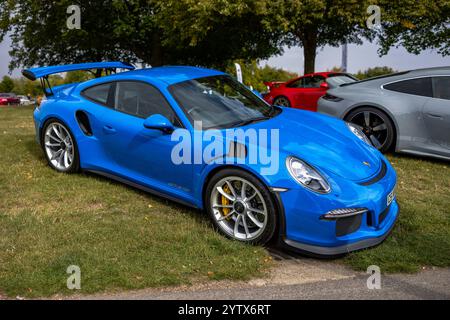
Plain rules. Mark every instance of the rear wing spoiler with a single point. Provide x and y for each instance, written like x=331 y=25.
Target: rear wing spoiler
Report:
x=42 y=73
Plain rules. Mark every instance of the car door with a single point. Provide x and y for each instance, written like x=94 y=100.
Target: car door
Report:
x=137 y=153
x=293 y=91
x=436 y=112
x=311 y=92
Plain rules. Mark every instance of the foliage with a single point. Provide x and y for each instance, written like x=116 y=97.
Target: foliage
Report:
x=415 y=25
x=313 y=24
x=254 y=76
x=213 y=33
x=156 y=32
x=374 y=72
x=7 y=84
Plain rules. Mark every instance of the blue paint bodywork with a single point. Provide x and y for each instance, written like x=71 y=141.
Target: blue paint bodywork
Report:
x=120 y=146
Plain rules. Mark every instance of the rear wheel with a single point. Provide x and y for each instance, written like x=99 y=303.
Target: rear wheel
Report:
x=376 y=125
x=59 y=147
x=240 y=206
x=282 y=101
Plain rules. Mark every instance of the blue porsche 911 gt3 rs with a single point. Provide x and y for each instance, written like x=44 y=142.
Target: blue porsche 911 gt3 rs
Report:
x=199 y=137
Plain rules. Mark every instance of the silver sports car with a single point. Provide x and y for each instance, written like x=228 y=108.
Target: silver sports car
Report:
x=406 y=111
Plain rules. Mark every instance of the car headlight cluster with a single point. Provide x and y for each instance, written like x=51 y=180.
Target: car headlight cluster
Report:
x=357 y=132
x=307 y=175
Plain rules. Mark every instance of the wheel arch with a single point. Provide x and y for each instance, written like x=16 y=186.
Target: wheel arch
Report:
x=282 y=96
x=47 y=120
x=280 y=229
x=382 y=109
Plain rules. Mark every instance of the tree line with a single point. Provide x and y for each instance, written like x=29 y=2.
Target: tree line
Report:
x=253 y=75
x=213 y=33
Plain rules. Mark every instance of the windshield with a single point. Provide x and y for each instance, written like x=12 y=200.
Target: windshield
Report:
x=337 y=80
x=219 y=102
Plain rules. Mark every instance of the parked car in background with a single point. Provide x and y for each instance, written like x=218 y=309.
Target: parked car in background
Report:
x=9 y=99
x=406 y=111
x=303 y=92
x=24 y=100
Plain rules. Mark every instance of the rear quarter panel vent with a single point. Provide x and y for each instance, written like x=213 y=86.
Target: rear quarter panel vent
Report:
x=83 y=122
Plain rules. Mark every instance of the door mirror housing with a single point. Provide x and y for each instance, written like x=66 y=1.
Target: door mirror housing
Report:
x=324 y=85
x=159 y=122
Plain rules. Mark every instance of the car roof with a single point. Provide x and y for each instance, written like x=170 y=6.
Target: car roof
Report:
x=435 y=71
x=325 y=74
x=173 y=74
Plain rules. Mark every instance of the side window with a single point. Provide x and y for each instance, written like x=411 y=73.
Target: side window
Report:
x=418 y=87
x=296 y=84
x=98 y=93
x=314 y=81
x=142 y=100
x=441 y=87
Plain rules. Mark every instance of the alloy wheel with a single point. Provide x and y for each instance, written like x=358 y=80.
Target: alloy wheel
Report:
x=282 y=101
x=239 y=208
x=59 y=146
x=373 y=126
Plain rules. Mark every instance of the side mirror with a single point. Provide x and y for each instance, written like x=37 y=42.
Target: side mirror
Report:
x=159 y=122
x=324 y=85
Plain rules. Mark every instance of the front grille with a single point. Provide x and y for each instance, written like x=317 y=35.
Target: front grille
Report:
x=378 y=177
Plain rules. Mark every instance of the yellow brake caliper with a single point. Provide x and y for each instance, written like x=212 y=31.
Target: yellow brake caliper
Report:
x=225 y=201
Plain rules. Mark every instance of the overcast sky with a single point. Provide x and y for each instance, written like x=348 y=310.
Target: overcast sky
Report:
x=359 y=58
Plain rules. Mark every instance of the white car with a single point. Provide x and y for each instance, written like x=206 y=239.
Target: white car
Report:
x=24 y=101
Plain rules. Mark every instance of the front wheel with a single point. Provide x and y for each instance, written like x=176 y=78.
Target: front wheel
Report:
x=282 y=101
x=376 y=125
x=240 y=206
x=60 y=147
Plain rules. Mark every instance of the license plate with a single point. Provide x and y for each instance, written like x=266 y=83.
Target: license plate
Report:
x=390 y=197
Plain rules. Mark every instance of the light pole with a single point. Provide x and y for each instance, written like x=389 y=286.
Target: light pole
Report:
x=344 y=58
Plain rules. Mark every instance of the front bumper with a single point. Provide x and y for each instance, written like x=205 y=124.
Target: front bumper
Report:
x=352 y=246
x=306 y=231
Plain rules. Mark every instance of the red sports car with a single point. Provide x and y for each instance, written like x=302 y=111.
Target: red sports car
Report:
x=8 y=99
x=305 y=91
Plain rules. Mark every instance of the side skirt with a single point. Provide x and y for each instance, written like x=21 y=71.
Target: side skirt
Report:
x=143 y=188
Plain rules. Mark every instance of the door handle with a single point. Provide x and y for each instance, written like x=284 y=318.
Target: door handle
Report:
x=109 y=130
x=436 y=116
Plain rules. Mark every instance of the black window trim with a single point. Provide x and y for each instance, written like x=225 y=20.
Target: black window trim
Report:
x=112 y=93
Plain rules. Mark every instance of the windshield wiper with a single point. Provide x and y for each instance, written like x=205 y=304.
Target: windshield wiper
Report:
x=251 y=120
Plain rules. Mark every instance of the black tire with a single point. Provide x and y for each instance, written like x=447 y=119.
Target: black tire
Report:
x=282 y=101
x=74 y=166
x=267 y=231
x=384 y=139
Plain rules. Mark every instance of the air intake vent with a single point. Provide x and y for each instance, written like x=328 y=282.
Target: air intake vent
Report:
x=83 y=122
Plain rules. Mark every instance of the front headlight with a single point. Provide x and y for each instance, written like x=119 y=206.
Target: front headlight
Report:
x=307 y=175
x=357 y=132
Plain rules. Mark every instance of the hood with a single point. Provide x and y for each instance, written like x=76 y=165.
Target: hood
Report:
x=324 y=142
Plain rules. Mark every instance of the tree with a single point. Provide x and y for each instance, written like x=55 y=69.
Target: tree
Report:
x=313 y=24
x=374 y=72
x=415 y=25
x=7 y=84
x=156 y=32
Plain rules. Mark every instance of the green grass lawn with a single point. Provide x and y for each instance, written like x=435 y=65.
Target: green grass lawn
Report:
x=421 y=236
x=126 y=239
